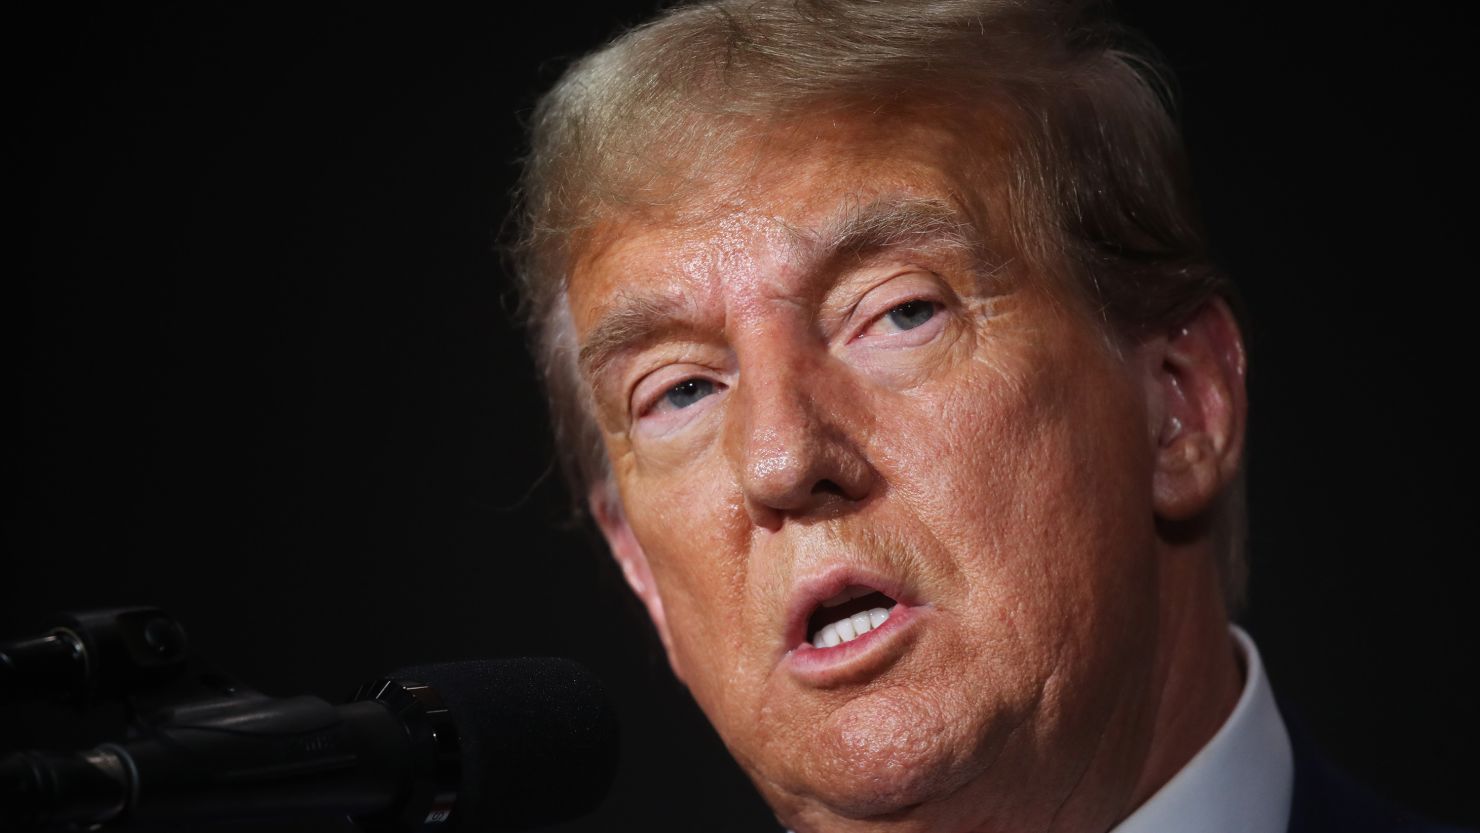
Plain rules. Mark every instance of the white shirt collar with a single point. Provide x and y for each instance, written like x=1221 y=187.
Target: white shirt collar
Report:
x=1241 y=781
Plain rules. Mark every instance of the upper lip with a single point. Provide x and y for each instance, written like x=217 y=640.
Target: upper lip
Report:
x=811 y=591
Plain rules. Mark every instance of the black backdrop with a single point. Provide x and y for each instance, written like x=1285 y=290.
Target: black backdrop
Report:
x=259 y=370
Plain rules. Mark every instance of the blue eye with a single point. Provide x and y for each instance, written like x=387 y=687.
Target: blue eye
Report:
x=911 y=315
x=687 y=392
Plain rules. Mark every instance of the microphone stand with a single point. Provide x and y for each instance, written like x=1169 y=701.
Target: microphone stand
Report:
x=199 y=747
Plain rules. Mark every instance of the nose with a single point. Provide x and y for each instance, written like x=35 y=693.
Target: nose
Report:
x=794 y=440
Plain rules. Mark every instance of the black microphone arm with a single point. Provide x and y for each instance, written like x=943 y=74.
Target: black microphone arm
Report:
x=484 y=745
x=93 y=655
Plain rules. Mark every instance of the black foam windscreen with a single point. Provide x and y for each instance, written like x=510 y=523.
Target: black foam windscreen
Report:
x=538 y=737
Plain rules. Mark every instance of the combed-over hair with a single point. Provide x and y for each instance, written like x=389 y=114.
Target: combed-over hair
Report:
x=1096 y=180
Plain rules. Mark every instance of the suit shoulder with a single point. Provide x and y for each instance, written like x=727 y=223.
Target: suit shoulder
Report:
x=1327 y=800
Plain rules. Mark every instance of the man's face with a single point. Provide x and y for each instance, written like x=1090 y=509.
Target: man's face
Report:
x=836 y=380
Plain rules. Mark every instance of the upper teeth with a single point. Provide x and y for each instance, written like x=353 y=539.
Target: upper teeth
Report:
x=849 y=628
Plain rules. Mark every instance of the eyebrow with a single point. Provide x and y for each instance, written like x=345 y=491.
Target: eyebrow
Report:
x=634 y=319
x=894 y=223
x=860 y=232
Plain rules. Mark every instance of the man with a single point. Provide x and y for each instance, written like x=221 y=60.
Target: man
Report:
x=884 y=344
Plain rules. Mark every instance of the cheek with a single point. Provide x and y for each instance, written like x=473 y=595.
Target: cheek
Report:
x=690 y=522
x=1037 y=480
x=691 y=543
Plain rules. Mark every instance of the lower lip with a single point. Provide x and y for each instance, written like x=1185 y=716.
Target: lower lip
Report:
x=827 y=664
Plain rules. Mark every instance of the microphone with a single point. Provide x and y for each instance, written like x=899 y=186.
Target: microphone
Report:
x=469 y=746
x=94 y=655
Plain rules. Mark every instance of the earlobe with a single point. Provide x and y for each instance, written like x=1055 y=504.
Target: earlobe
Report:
x=1200 y=402
x=606 y=508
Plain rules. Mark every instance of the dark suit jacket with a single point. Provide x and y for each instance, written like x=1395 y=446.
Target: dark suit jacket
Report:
x=1327 y=801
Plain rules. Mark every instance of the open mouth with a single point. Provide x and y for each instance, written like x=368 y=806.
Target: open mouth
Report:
x=853 y=612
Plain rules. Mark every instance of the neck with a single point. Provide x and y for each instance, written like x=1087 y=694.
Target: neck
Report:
x=1194 y=682
x=1198 y=668
x=1195 y=679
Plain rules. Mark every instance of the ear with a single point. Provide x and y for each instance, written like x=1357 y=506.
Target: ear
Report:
x=1198 y=407
x=606 y=507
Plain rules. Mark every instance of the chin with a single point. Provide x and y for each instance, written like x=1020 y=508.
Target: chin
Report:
x=885 y=762
x=895 y=795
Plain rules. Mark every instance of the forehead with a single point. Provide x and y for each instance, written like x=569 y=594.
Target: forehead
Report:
x=751 y=213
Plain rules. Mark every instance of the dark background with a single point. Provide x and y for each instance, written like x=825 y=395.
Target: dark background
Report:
x=259 y=371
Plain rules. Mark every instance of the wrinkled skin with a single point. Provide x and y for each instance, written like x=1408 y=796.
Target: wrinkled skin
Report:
x=988 y=450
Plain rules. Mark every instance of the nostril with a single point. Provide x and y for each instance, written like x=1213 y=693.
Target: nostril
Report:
x=827 y=487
